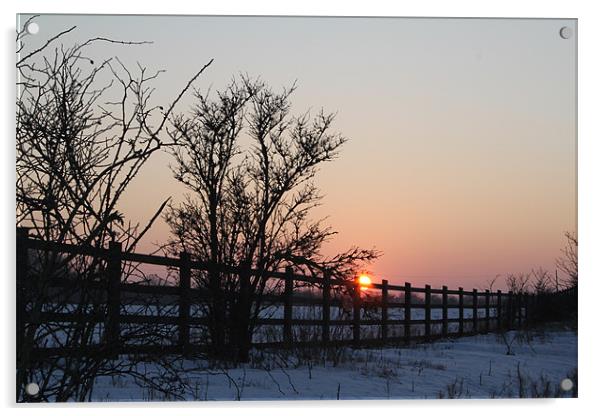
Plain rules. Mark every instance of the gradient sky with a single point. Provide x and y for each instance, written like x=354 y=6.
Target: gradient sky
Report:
x=461 y=160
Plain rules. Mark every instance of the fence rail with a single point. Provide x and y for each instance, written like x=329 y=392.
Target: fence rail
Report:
x=475 y=311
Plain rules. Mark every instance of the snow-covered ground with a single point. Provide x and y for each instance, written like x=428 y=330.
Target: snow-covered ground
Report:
x=470 y=367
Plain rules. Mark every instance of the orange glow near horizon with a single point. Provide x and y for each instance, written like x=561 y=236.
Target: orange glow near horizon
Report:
x=364 y=281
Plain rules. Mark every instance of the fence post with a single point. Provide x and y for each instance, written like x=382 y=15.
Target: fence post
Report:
x=533 y=308
x=509 y=307
x=246 y=300
x=498 y=311
x=487 y=312
x=461 y=311
x=113 y=298
x=357 y=313
x=22 y=271
x=184 y=305
x=384 y=310
x=519 y=307
x=22 y=284
x=427 y=312
x=326 y=307
x=475 y=312
x=444 y=328
x=407 y=316
x=533 y=311
x=287 y=330
x=529 y=308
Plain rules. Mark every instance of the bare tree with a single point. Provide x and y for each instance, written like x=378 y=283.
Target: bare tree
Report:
x=490 y=283
x=542 y=281
x=518 y=282
x=249 y=164
x=567 y=263
x=85 y=130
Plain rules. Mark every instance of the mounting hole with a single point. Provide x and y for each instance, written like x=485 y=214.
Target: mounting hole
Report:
x=566 y=32
x=566 y=384
x=32 y=389
x=32 y=28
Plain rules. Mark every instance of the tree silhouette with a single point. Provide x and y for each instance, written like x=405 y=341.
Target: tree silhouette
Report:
x=85 y=130
x=568 y=263
x=249 y=164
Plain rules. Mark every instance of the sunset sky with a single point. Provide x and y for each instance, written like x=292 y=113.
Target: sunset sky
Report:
x=461 y=159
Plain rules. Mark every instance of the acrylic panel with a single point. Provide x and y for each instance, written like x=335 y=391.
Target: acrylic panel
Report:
x=295 y=208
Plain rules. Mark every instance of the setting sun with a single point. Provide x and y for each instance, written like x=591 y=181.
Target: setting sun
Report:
x=364 y=281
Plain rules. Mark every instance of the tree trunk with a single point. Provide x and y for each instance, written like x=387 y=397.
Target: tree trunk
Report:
x=242 y=333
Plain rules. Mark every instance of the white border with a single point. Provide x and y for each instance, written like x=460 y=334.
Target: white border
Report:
x=590 y=200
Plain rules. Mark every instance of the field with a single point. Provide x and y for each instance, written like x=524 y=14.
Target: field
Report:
x=518 y=364
x=295 y=352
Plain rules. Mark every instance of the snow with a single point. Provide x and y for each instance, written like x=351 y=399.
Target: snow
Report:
x=469 y=367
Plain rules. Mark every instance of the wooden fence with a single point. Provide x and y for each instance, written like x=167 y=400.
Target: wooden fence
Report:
x=475 y=311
